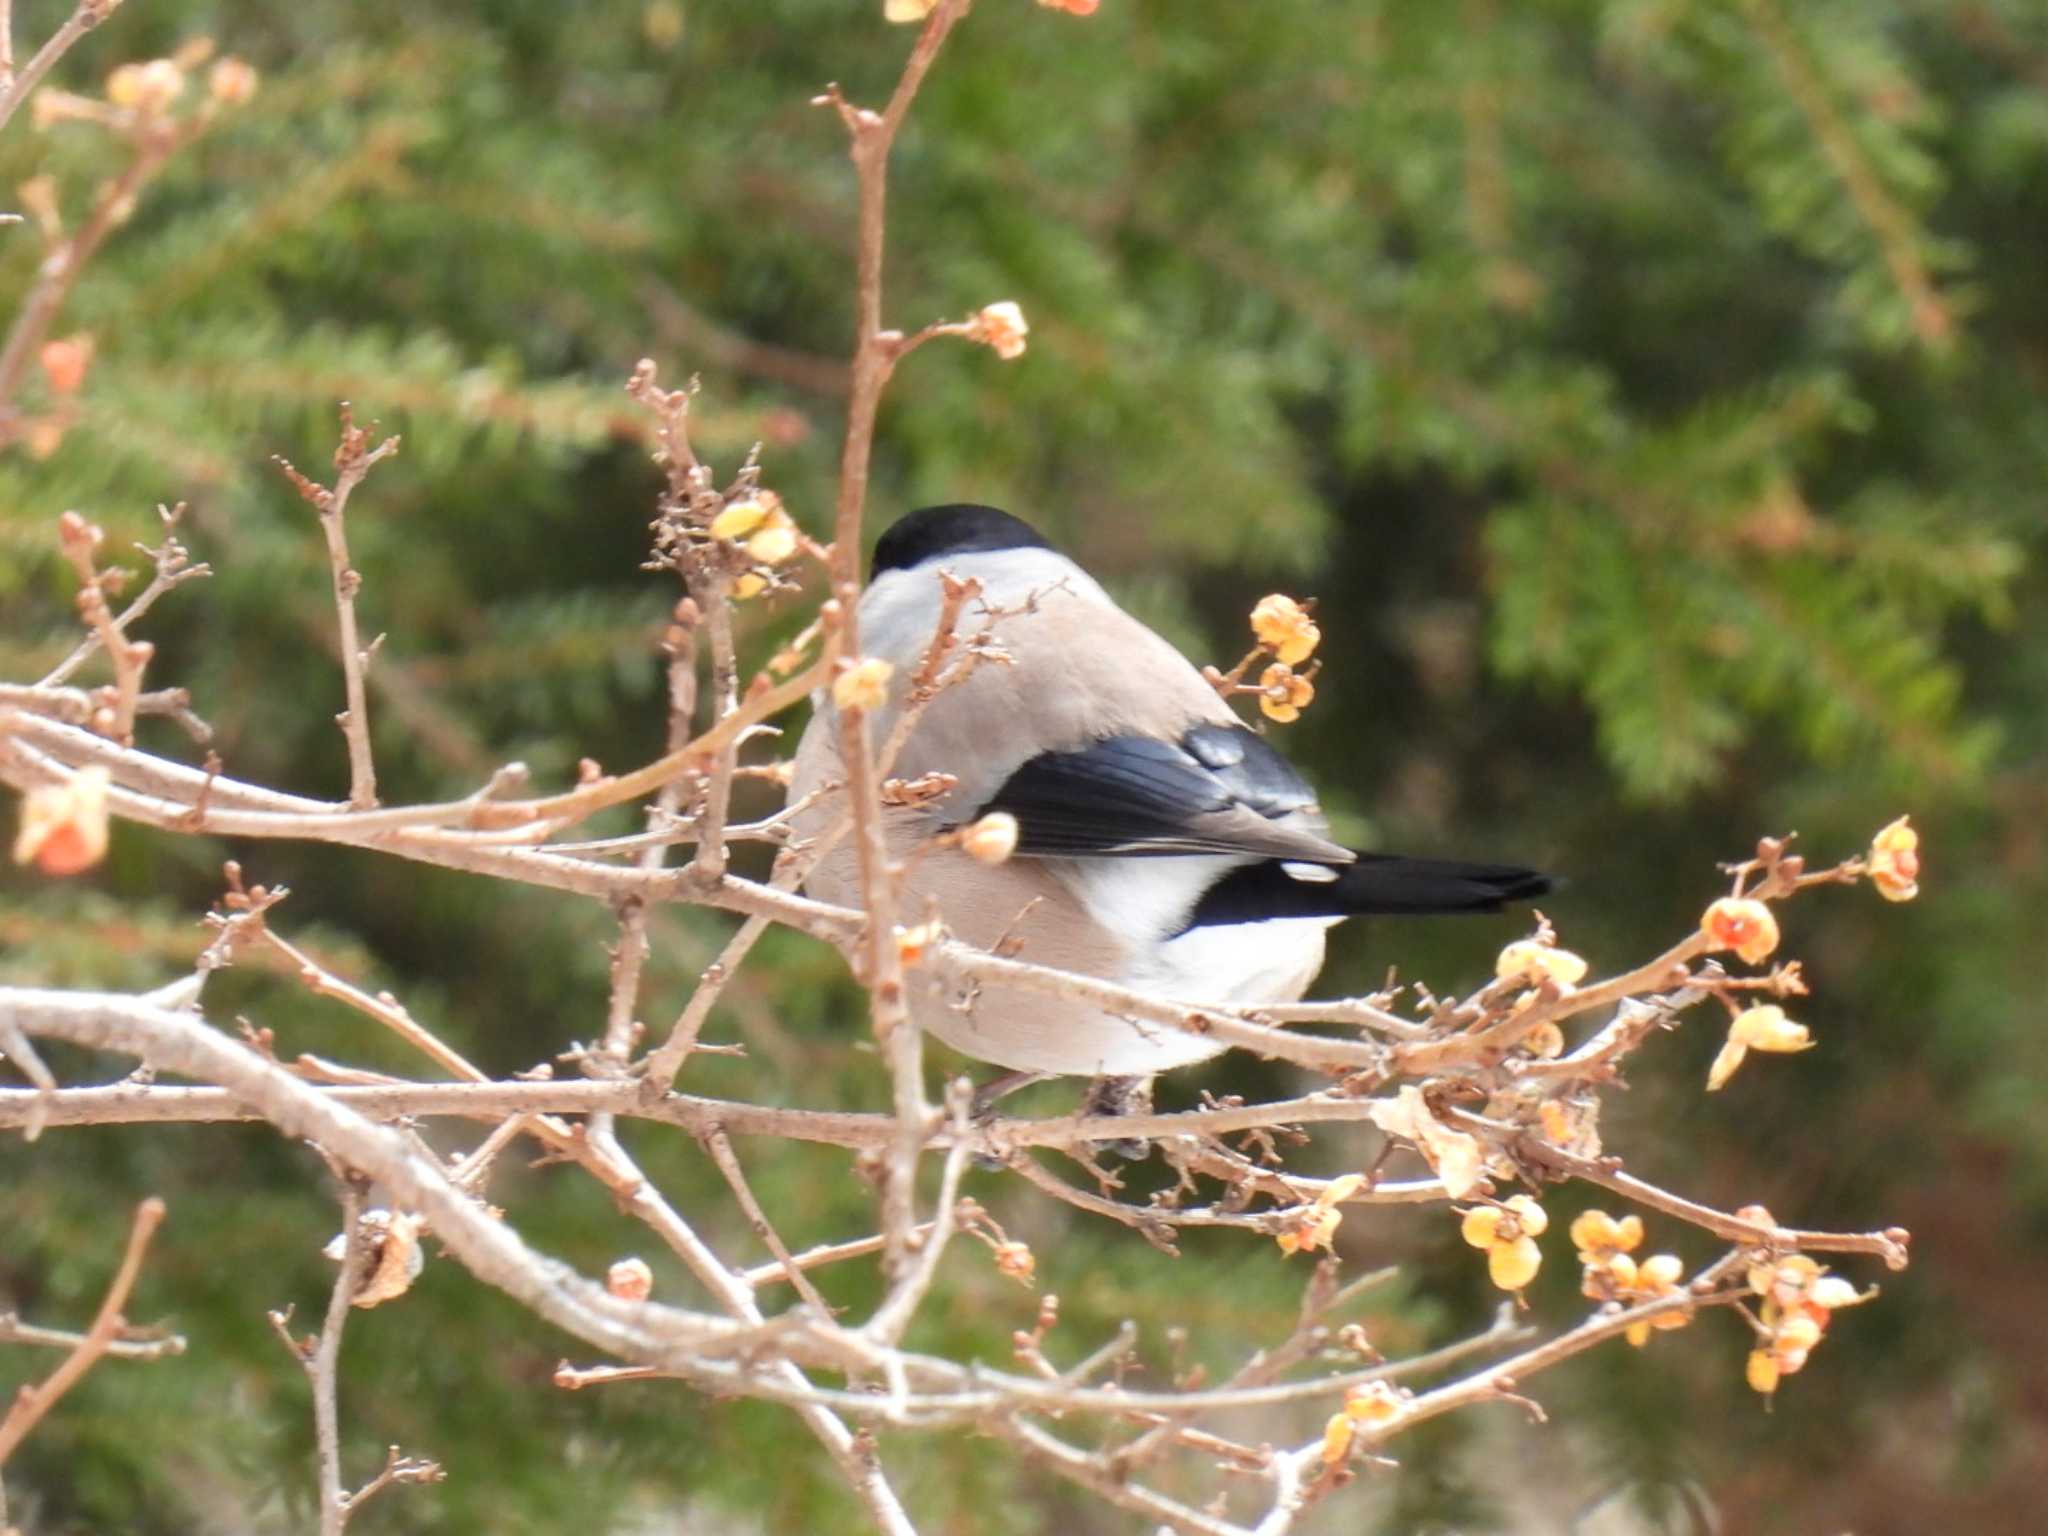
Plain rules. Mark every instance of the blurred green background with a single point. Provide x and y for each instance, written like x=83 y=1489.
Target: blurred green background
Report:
x=1651 y=391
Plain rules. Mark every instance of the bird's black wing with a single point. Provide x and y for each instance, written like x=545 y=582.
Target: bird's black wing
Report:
x=1219 y=790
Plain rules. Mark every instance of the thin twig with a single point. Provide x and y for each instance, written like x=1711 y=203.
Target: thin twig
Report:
x=15 y=88
x=324 y=1363
x=353 y=460
x=871 y=137
x=138 y=1344
x=32 y=1402
x=719 y=1146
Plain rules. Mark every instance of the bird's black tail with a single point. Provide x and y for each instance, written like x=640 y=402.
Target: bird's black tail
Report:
x=1377 y=882
x=1381 y=882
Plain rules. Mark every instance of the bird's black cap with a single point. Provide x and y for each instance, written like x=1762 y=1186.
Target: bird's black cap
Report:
x=932 y=533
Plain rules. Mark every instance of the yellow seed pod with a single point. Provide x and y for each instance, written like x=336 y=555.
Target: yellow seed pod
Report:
x=1528 y=961
x=1479 y=1226
x=1284 y=627
x=1530 y=1216
x=990 y=840
x=773 y=544
x=1660 y=1272
x=1336 y=1439
x=739 y=518
x=1762 y=1371
x=1591 y=1231
x=1513 y=1265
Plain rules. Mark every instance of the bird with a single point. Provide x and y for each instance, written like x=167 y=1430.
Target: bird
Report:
x=1161 y=843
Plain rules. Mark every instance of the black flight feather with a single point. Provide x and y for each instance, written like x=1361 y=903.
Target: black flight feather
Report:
x=1376 y=882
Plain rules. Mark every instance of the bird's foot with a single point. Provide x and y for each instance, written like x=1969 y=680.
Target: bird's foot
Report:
x=1121 y=1096
x=982 y=1107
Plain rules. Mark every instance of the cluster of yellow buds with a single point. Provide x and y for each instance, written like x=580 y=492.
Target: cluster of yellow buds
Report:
x=1743 y=924
x=1508 y=1233
x=1285 y=629
x=1762 y=1028
x=760 y=525
x=1370 y=1404
x=1611 y=1273
x=1315 y=1224
x=1799 y=1298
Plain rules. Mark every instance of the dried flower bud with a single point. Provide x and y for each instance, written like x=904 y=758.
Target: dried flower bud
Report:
x=1316 y=1222
x=1284 y=693
x=1545 y=1041
x=1513 y=1265
x=864 y=685
x=392 y=1257
x=1596 y=1232
x=1726 y=1060
x=64 y=825
x=1895 y=862
x=913 y=944
x=661 y=23
x=65 y=361
x=739 y=518
x=630 y=1280
x=1796 y=1332
x=992 y=839
x=1742 y=924
x=1372 y=1402
x=1508 y=1233
x=775 y=543
x=232 y=82
x=1533 y=962
x=76 y=536
x=1015 y=1260
x=1832 y=1291
x=748 y=584
x=38 y=195
x=1761 y=1371
x=1337 y=1432
x=1480 y=1225
x=1787 y=1282
x=908 y=10
x=1765 y=1028
x=1002 y=327
x=1660 y=1273
x=1284 y=627
x=148 y=89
